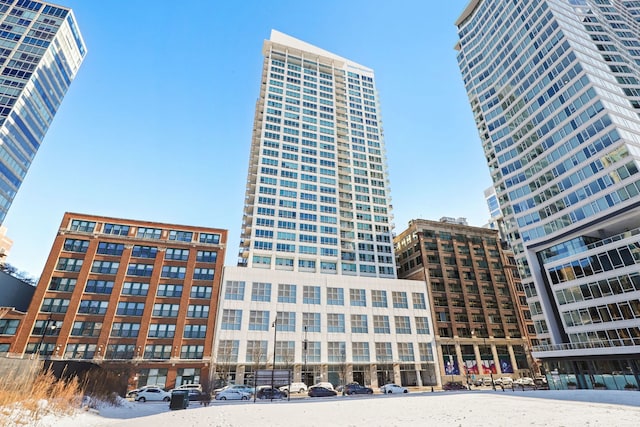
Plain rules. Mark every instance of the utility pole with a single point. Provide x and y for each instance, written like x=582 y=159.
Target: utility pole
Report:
x=273 y=370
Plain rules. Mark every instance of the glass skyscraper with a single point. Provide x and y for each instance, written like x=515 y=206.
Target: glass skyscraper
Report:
x=555 y=92
x=317 y=195
x=41 y=49
x=315 y=289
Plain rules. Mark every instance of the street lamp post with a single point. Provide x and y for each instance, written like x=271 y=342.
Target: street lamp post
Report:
x=273 y=368
x=45 y=328
x=304 y=348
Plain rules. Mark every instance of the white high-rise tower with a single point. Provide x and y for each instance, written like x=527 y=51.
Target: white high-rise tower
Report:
x=555 y=91
x=317 y=191
x=316 y=285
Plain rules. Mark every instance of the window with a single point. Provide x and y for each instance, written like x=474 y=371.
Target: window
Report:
x=79 y=351
x=360 y=351
x=166 y=310
x=313 y=351
x=403 y=325
x=359 y=324
x=120 y=351
x=116 y=229
x=170 y=291
x=62 y=284
x=191 y=352
x=173 y=272
x=405 y=352
x=399 y=299
x=379 y=298
x=99 y=286
x=198 y=311
x=194 y=331
x=9 y=326
x=335 y=322
x=47 y=327
x=311 y=322
x=176 y=254
x=228 y=351
x=384 y=352
x=381 y=324
x=207 y=256
x=203 y=274
x=311 y=295
x=105 y=267
x=69 y=264
x=86 y=226
x=258 y=320
x=181 y=236
x=148 y=233
x=337 y=351
x=106 y=248
x=144 y=252
x=144 y=270
x=130 y=308
x=135 y=288
x=285 y=351
x=286 y=321
x=76 y=245
x=286 y=293
x=234 y=290
x=125 y=330
x=161 y=330
x=422 y=325
x=157 y=351
x=358 y=297
x=426 y=353
x=92 y=307
x=335 y=296
x=418 y=300
x=86 y=329
x=231 y=319
x=201 y=292
x=261 y=292
x=54 y=305
x=256 y=352
x=209 y=238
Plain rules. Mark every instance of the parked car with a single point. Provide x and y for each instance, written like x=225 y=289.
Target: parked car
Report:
x=541 y=382
x=524 y=381
x=482 y=381
x=454 y=385
x=295 y=388
x=504 y=382
x=240 y=387
x=233 y=394
x=356 y=389
x=325 y=385
x=269 y=393
x=152 y=393
x=393 y=388
x=189 y=387
x=133 y=392
x=319 y=391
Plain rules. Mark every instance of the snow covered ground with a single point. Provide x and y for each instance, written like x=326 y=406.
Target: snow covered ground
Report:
x=467 y=408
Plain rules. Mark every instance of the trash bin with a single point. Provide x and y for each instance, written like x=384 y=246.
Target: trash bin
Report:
x=179 y=399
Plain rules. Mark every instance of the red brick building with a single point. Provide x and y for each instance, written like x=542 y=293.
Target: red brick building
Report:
x=137 y=293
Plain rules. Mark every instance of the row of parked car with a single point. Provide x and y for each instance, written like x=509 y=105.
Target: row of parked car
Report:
x=245 y=392
x=503 y=382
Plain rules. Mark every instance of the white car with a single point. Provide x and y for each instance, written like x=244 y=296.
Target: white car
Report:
x=393 y=388
x=295 y=388
x=233 y=394
x=152 y=394
x=524 y=381
x=239 y=387
x=504 y=382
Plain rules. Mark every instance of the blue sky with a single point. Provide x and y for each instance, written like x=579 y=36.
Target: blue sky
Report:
x=157 y=125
